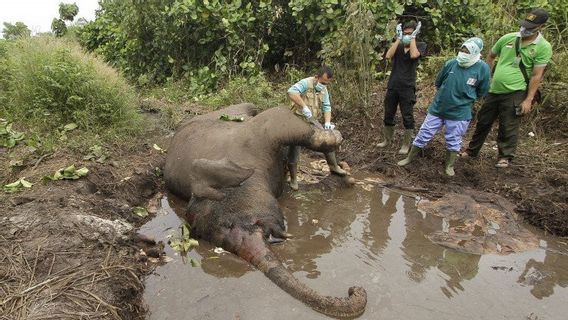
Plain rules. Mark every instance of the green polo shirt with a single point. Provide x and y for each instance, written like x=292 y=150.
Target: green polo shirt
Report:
x=508 y=76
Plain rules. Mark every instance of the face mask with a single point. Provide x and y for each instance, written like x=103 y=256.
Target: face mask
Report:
x=319 y=87
x=406 y=39
x=464 y=58
x=526 y=32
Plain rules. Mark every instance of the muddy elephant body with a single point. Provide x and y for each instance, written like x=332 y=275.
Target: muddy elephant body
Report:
x=232 y=174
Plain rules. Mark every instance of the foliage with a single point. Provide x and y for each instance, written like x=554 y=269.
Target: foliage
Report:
x=46 y=83
x=68 y=11
x=14 y=31
x=68 y=173
x=254 y=89
x=8 y=136
x=17 y=186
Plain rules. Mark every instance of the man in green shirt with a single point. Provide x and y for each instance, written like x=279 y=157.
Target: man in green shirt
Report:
x=511 y=93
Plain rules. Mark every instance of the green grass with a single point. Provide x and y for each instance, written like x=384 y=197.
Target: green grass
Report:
x=47 y=83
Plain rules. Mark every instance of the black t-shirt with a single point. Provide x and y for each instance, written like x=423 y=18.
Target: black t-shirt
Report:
x=403 y=74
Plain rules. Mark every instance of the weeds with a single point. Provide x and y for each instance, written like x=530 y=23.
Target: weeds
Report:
x=48 y=82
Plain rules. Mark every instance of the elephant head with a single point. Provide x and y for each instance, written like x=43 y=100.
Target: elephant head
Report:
x=232 y=174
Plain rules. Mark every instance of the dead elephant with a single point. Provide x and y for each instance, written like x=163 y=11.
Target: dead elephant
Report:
x=232 y=173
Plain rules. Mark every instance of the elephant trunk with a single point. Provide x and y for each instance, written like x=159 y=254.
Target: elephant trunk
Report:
x=254 y=249
x=325 y=140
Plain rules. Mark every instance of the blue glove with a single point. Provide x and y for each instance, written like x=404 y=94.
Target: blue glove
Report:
x=329 y=126
x=399 y=31
x=306 y=112
x=417 y=30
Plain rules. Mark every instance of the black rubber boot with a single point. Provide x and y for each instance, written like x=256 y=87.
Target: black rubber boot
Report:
x=333 y=166
x=411 y=156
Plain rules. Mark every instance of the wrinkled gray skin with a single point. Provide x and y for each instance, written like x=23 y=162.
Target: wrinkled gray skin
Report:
x=232 y=173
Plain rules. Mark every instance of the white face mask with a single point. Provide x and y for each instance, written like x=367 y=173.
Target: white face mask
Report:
x=319 y=87
x=466 y=60
x=526 y=32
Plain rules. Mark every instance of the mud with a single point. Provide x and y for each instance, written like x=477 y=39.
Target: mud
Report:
x=69 y=249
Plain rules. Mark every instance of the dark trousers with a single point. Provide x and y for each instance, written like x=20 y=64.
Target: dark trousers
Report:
x=502 y=107
x=406 y=98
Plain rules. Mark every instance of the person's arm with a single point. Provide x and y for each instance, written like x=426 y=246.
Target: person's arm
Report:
x=491 y=59
x=441 y=75
x=484 y=83
x=414 y=53
x=296 y=98
x=392 y=50
x=535 y=81
x=326 y=107
x=295 y=92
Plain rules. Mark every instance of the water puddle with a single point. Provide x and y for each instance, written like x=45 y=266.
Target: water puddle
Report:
x=371 y=237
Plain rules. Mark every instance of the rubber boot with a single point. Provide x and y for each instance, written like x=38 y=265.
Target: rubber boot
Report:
x=406 y=141
x=451 y=157
x=388 y=132
x=293 y=168
x=333 y=166
x=411 y=156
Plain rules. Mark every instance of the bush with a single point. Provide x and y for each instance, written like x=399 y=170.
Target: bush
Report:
x=47 y=83
x=254 y=89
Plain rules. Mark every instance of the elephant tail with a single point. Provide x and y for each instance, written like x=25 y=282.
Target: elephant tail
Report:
x=255 y=250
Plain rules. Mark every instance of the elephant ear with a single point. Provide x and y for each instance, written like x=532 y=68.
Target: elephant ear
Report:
x=211 y=175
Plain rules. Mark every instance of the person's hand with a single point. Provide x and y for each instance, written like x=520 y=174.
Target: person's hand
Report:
x=328 y=126
x=307 y=112
x=399 y=31
x=526 y=106
x=417 y=30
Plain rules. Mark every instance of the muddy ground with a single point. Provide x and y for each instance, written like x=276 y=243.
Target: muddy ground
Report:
x=69 y=250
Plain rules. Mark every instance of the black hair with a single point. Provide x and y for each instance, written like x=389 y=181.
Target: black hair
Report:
x=325 y=70
x=409 y=24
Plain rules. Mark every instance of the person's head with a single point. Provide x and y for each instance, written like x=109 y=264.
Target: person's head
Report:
x=533 y=23
x=324 y=77
x=470 y=52
x=407 y=29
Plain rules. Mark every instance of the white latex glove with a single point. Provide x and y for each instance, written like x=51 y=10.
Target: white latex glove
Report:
x=417 y=30
x=399 y=31
x=329 y=126
x=306 y=112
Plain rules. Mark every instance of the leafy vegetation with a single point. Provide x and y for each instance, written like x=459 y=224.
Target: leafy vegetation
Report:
x=50 y=87
x=14 y=31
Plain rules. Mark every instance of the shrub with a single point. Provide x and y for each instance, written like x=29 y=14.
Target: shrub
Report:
x=47 y=83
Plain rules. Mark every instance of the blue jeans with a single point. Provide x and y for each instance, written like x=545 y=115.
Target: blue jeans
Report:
x=455 y=130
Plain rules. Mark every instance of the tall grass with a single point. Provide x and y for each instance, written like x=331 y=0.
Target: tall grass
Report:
x=47 y=83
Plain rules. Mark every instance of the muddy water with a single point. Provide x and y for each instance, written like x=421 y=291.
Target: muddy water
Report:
x=371 y=238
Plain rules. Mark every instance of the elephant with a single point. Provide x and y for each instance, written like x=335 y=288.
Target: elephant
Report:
x=232 y=173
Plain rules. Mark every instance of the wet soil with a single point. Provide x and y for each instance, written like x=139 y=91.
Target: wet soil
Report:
x=68 y=249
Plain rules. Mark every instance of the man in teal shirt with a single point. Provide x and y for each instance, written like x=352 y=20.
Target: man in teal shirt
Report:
x=511 y=93
x=460 y=82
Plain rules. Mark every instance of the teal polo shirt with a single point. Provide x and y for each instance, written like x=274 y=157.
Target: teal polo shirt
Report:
x=458 y=88
x=508 y=77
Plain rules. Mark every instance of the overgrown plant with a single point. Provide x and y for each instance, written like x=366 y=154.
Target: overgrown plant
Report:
x=47 y=83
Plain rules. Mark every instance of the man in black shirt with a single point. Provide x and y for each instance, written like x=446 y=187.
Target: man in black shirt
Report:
x=401 y=90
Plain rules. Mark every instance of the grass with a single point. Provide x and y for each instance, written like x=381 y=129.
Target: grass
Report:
x=47 y=83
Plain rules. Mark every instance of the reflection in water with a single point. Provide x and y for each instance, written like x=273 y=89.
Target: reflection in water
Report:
x=544 y=276
x=372 y=238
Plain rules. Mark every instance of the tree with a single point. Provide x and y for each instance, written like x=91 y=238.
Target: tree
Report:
x=17 y=30
x=67 y=12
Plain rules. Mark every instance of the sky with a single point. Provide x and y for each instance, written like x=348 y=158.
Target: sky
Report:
x=38 y=14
